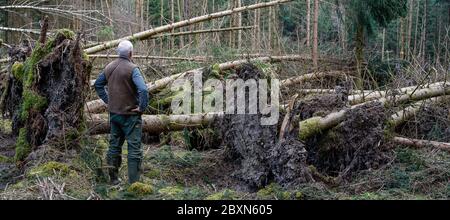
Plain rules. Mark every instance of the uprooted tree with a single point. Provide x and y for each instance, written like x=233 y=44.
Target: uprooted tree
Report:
x=46 y=92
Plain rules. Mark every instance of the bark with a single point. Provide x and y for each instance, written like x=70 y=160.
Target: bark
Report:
x=155 y=124
x=299 y=79
x=410 y=22
x=416 y=143
x=315 y=53
x=308 y=23
x=369 y=96
x=147 y=34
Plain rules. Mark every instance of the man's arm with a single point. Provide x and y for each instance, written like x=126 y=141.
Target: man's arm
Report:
x=141 y=88
x=100 y=85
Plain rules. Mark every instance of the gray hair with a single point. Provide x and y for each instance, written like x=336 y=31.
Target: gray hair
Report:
x=124 y=48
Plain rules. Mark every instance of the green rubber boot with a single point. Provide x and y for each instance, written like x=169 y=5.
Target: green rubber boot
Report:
x=134 y=171
x=114 y=164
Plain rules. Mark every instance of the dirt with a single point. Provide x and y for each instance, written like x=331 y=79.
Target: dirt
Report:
x=8 y=170
x=261 y=157
x=355 y=144
x=321 y=105
x=64 y=83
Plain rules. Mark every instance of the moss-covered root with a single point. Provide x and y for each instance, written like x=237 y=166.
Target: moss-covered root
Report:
x=309 y=128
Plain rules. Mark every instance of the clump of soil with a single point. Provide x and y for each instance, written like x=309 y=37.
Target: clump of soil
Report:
x=289 y=163
x=262 y=158
x=355 y=144
x=432 y=122
x=321 y=105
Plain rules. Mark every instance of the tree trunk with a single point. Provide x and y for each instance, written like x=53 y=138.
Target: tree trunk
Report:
x=383 y=44
x=416 y=143
x=308 y=23
x=315 y=53
x=156 y=124
x=410 y=22
x=424 y=33
x=359 y=55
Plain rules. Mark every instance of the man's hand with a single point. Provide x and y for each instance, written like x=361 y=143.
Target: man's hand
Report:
x=137 y=110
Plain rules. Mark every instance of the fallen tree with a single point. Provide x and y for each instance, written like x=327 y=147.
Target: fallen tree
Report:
x=373 y=95
x=147 y=34
x=98 y=106
x=156 y=124
x=401 y=116
x=46 y=92
x=315 y=125
x=306 y=77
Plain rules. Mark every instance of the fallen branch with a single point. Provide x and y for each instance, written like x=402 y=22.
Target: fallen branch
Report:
x=20 y=30
x=147 y=34
x=421 y=143
x=48 y=9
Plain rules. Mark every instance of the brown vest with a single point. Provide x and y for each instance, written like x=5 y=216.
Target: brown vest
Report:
x=122 y=93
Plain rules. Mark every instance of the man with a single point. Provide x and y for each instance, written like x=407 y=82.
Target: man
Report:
x=127 y=97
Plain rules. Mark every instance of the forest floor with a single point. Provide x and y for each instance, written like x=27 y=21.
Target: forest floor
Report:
x=172 y=172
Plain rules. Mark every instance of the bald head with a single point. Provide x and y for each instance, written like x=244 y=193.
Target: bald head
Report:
x=125 y=49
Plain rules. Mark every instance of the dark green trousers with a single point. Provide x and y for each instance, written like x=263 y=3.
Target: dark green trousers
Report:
x=129 y=128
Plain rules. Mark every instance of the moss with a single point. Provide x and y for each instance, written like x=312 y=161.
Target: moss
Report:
x=31 y=101
x=273 y=191
x=5 y=126
x=50 y=168
x=153 y=173
x=23 y=148
x=67 y=33
x=368 y=196
x=17 y=70
x=140 y=189
x=223 y=195
x=171 y=192
x=309 y=127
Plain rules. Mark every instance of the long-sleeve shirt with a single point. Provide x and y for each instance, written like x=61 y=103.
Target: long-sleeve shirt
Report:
x=138 y=80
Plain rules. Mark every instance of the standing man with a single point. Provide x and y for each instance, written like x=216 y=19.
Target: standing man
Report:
x=127 y=98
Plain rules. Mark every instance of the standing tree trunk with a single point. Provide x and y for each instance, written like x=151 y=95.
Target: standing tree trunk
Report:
x=423 y=43
x=416 y=32
x=239 y=24
x=383 y=44
x=308 y=23
x=410 y=22
x=402 y=39
x=315 y=52
x=359 y=54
